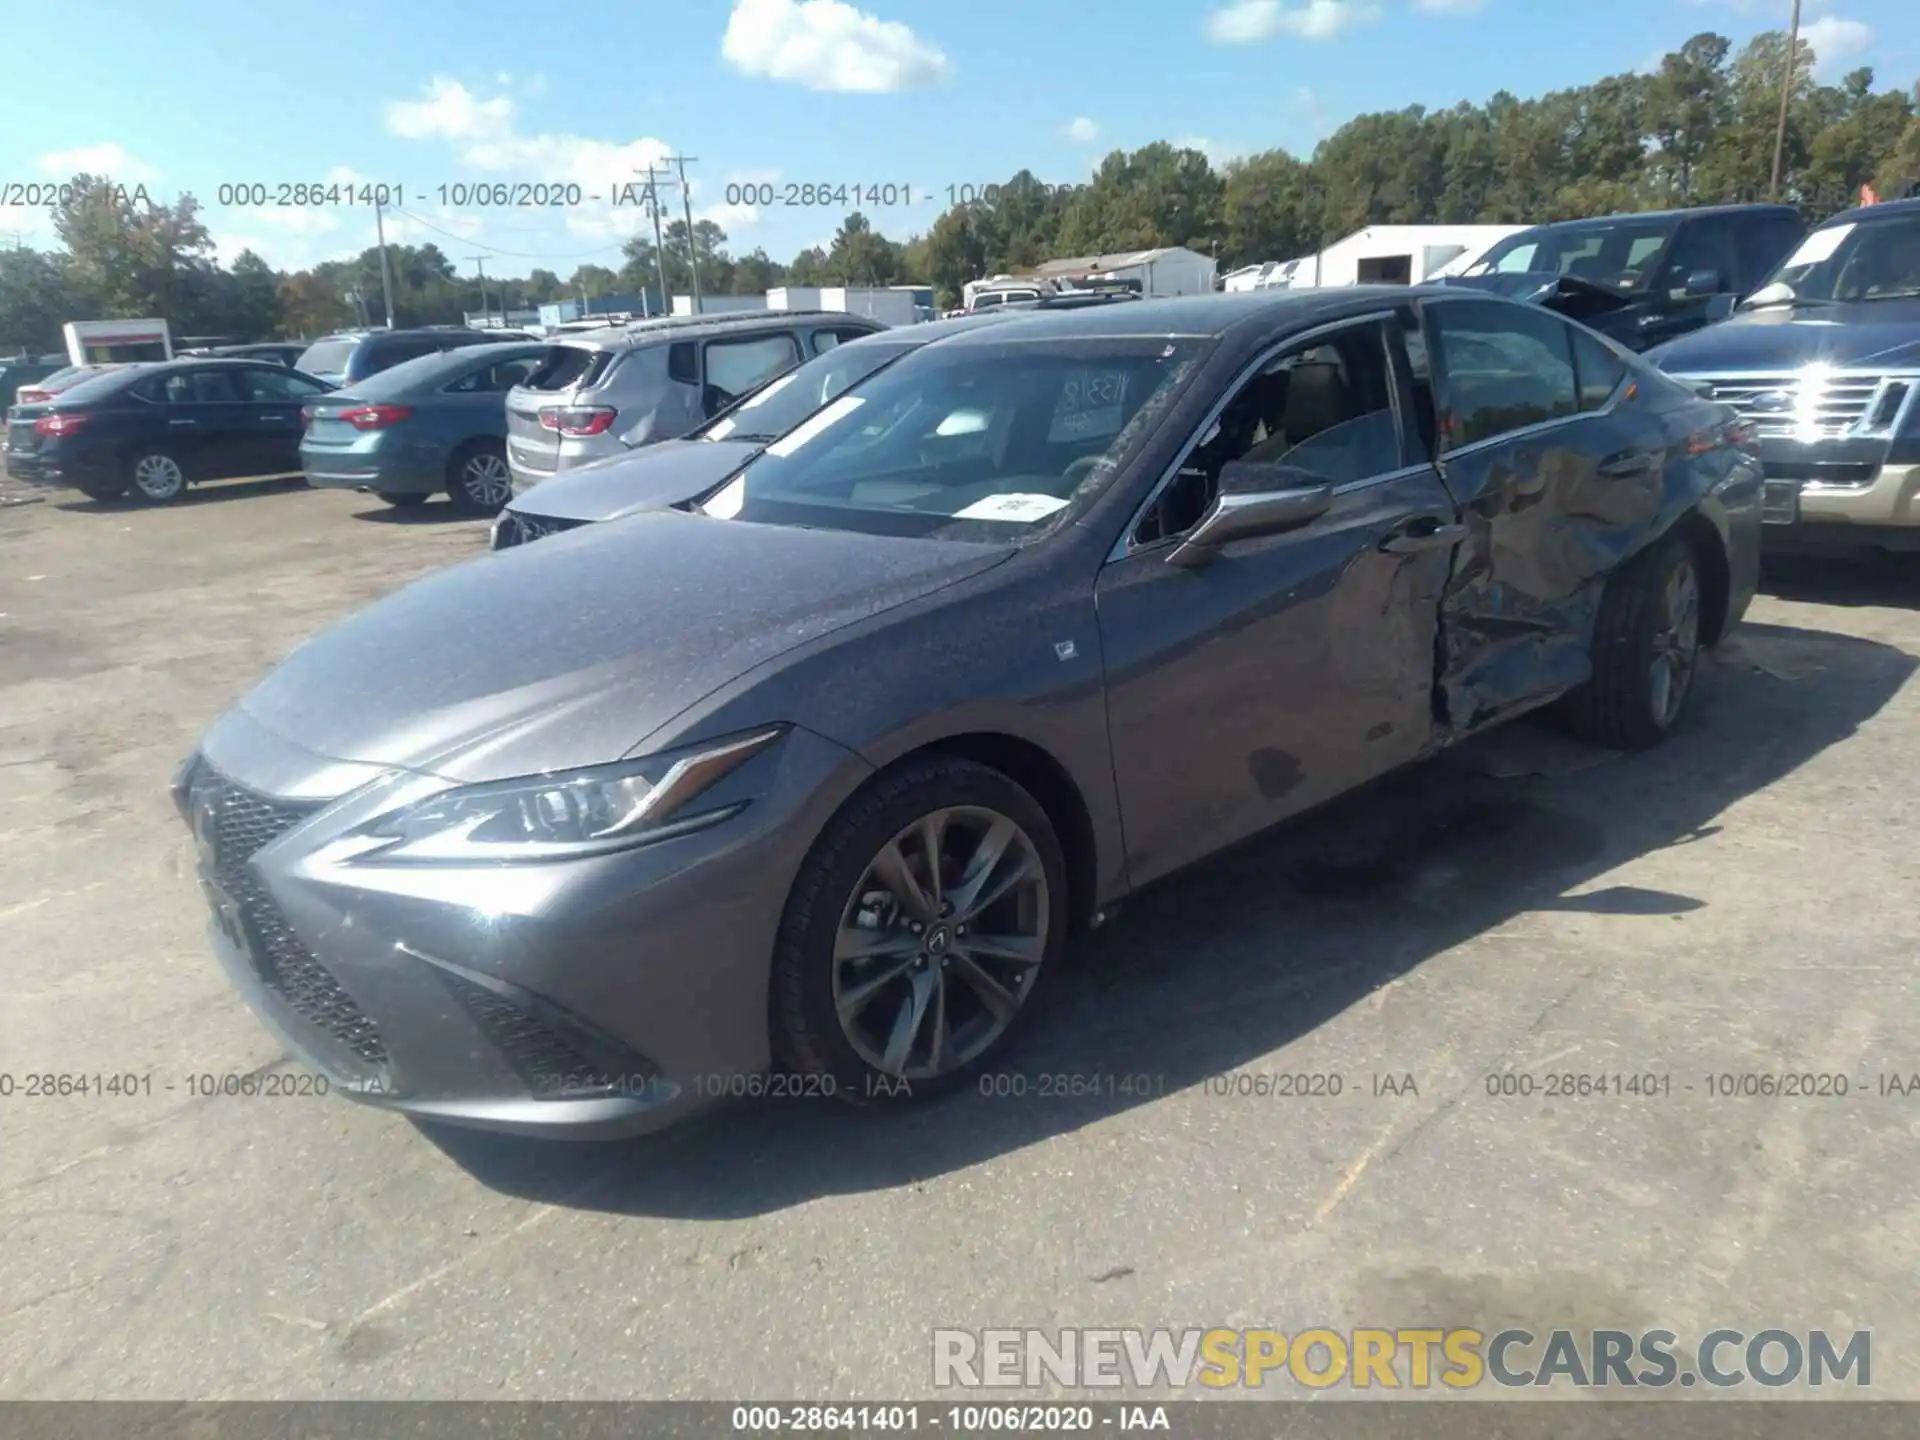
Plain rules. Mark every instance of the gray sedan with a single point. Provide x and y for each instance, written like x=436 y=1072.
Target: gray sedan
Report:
x=579 y=837
x=434 y=425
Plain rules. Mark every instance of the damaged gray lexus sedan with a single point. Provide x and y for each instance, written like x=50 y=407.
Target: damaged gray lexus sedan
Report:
x=817 y=774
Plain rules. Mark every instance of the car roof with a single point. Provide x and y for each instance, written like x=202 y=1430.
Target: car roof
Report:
x=1217 y=314
x=205 y=362
x=1865 y=212
x=1666 y=215
x=698 y=327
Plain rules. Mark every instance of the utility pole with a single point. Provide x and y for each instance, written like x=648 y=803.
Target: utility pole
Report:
x=480 y=264
x=386 y=278
x=659 y=243
x=686 y=202
x=1786 y=96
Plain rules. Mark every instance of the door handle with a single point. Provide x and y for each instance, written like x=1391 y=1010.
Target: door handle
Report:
x=1626 y=464
x=1427 y=532
x=183 y=422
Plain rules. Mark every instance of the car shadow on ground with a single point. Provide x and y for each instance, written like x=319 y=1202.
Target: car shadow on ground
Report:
x=437 y=511
x=212 y=493
x=1872 y=578
x=1231 y=960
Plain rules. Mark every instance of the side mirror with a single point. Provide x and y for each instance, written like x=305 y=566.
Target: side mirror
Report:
x=1703 y=282
x=1254 y=499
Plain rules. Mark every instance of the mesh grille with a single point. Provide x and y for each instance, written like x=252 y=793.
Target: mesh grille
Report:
x=550 y=1064
x=518 y=529
x=243 y=823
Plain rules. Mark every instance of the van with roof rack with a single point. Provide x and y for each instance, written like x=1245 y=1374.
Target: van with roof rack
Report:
x=602 y=392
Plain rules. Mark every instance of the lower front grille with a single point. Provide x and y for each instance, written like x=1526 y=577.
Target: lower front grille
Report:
x=235 y=824
x=552 y=1065
x=1855 y=476
x=519 y=529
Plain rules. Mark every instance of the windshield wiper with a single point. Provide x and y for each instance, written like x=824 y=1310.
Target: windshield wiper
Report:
x=1910 y=294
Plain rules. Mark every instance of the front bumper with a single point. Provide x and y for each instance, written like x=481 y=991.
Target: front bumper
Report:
x=1891 y=498
x=586 y=999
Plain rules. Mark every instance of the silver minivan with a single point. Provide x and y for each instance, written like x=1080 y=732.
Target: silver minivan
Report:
x=601 y=392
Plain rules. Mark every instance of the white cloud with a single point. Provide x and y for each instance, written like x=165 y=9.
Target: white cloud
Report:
x=344 y=175
x=729 y=217
x=1245 y=21
x=486 y=132
x=1835 y=42
x=828 y=45
x=1081 y=130
x=1450 y=7
x=107 y=159
x=450 y=111
x=295 y=220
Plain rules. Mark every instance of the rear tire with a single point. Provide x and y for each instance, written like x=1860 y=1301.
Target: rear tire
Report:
x=1646 y=650
x=884 y=1006
x=478 y=478
x=155 y=476
x=402 y=502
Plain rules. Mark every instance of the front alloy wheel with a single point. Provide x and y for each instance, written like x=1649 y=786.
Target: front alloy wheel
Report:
x=919 y=932
x=940 y=942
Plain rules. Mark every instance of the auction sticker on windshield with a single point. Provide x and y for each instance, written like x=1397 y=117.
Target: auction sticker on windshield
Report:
x=1011 y=507
x=826 y=418
x=1092 y=403
x=1819 y=246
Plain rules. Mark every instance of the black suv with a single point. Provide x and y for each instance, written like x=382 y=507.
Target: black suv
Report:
x=1823 y=360
x=350 y=356
x=1642 y=279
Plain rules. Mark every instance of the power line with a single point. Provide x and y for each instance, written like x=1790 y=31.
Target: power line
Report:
x=496 y=250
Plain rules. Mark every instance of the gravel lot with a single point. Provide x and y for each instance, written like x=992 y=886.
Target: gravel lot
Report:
x=1741 y=902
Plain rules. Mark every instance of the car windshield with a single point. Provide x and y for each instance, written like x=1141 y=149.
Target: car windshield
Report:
x=1622 y=254
x=1872 y=259
x=326 y=357
x=991 y=442
x=781 y=404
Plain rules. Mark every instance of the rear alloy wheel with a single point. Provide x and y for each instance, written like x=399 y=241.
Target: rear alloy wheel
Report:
x=404 y=502
x=1646 y=651
x=481 y=481
x=156 y=476
x=919 y=932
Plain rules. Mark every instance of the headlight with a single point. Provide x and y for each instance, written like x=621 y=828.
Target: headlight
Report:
x=564 y=815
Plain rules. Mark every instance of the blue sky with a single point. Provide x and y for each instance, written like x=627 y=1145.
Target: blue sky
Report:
x=194 y=94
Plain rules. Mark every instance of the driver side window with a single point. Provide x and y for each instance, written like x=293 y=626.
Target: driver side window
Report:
x=1325 y=406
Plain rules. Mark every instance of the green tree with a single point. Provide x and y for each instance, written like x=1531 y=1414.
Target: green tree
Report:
x=35 y=301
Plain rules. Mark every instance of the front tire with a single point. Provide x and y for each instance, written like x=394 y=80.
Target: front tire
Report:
x=897 y=977
x=1646 y=650
x=402 y=502
x=156 y=476
x=478 y=478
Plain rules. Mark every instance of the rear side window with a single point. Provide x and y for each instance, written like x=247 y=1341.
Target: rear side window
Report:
x=279 y=386
x=1597 y=369
x=1502 y=368
x=567 y=367
x=736 y=366
x=200 y=387
x=682 y=364
x=501 y=376
x=326 y=357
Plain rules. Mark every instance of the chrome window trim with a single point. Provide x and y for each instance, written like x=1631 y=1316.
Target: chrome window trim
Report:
x=1124 y=545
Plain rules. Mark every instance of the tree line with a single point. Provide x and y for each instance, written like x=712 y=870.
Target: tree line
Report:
x=1699 y=129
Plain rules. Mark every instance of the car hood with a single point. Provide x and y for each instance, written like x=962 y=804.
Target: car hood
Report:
x=578 y=649
x=1878 y=333
x=650 y=478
